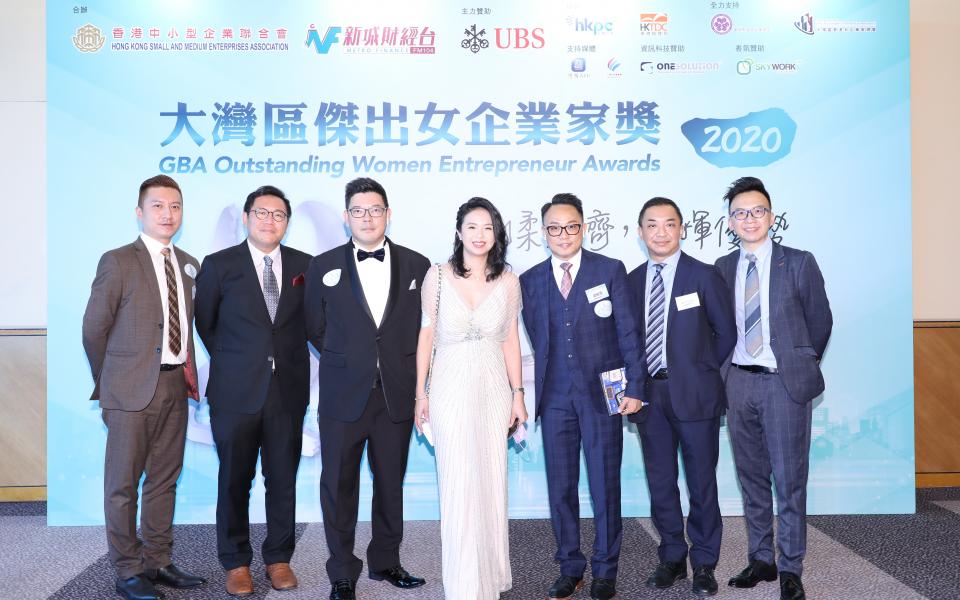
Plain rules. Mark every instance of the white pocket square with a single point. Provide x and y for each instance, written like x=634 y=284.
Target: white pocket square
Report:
x=413 y=284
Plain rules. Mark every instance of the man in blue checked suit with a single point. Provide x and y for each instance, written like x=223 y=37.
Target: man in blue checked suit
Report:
x=686 y=324
x=783 y=325
x=578 y=314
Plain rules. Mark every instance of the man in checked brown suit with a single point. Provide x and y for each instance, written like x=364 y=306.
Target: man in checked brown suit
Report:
x=138 y=337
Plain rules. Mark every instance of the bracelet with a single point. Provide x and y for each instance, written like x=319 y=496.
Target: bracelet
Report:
x=420 y=398
x=517 y=389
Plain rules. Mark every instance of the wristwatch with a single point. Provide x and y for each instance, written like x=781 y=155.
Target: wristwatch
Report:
x=517 y=389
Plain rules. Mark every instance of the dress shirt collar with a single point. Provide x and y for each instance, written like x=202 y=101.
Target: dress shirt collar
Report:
x=258 y=254
x=762 y=253
x=574 y=260
x=155 y=246
x=670 y=263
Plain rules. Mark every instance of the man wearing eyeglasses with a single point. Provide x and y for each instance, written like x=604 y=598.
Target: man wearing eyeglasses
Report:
x=783 y=325
x=363 y=316
x=578 y=314
x=249 y=314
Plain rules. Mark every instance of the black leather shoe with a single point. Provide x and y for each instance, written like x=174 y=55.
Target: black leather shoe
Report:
x=704 y=583
x=603 y=589
x=667 y=574
x=565 y=586
x=138 y=587
x=343 y=589
x=790 y=587
x=399 y=577
x=175 y=577
x=755 y=572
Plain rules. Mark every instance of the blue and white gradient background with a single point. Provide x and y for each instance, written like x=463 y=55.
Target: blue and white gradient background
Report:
x=844 y=189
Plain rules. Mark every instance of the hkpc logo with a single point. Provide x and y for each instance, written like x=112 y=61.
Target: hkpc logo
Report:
x=588 y=25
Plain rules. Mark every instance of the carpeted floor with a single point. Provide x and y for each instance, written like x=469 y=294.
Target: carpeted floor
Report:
x=886 y=557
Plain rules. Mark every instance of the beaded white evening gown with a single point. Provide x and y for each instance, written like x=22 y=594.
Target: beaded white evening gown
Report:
x=470 y=401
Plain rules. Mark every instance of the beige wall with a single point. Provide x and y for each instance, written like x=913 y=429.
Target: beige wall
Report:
x=935 y=95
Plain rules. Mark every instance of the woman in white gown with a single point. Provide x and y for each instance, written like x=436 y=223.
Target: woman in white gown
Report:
x=475 y=395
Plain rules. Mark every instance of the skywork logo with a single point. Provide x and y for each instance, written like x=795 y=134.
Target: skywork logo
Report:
x=322 y=45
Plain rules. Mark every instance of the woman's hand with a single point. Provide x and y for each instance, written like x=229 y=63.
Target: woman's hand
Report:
x=421 y=412
x=518 y=413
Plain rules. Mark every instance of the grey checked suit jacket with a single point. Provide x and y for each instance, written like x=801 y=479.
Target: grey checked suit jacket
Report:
x=800 y=319
x=123 y=326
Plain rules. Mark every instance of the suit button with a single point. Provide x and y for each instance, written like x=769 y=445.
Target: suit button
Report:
x=160 y=325
x=567 y=324
x=569 y=339
x=569 y=356
x=378 y=338
x=158 y=350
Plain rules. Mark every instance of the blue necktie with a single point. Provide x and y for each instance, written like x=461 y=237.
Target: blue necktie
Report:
x=752 y=329
x=655 y=324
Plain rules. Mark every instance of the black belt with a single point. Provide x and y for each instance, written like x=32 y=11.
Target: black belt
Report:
x=661 y=374
x=756 y=369
x=166 y=367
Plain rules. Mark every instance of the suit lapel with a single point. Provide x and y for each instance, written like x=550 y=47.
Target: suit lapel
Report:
x=355 y=286
x=679 y=283
x=394 y=283
x=580 y=284
x=543 y=302
x=642 y=303
x=286 y=283
x=777 y=278
x=149 y=272
x=731 y=273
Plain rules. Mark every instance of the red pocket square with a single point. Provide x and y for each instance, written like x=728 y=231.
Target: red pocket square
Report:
x=298 y=280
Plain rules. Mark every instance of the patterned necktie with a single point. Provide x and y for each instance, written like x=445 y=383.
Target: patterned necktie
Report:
x=173 y=304
x=566 y=282
x=752 y=329
x=271 y=293
x=655 y=323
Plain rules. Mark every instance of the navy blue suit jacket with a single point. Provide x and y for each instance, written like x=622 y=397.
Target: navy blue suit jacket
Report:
x=234 y=324
x=699 y=339
x=604 y=343
x=800 y=319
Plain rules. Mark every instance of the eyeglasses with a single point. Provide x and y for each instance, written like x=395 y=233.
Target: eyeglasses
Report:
x=556 y=230
x=757 y=212
x=376 y=212
x=278 y=215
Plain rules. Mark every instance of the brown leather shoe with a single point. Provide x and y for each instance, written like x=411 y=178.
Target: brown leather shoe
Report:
x=281 y=576
x=239 y=581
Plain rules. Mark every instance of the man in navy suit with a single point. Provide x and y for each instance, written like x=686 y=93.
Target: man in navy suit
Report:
x=686 y=324
x=577 y=311
x=783 y=325
x=249 y=314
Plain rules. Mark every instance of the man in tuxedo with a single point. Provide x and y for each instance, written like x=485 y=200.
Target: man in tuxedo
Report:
x=363 y=315
x=783 y=325
x=577 y=312
x=138 y=338
x=249 y=311
x=686 y=323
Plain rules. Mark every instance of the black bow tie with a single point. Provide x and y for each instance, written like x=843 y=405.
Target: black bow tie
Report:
x=363 y=255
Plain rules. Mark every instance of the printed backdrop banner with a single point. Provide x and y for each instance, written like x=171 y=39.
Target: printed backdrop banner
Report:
x=616 y=102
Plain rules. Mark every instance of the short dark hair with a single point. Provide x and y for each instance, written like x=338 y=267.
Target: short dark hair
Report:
x=497 y=257
x=564 y=198
x=746 y=184
x=659 y=201
x=266 y=190
x=157 y=181
x=361 y=185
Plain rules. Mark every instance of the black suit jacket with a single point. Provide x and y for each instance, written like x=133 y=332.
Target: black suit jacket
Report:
x=233 y=322
x=342 y=329
x=698 y=339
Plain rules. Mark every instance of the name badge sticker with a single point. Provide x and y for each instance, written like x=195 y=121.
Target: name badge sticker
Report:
x=598 y=292
x=691 y=300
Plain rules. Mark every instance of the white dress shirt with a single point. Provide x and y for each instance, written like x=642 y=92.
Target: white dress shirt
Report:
x=259 y=265
x=667 y=273
x=740 y=354
x=558 y=270
x=154 y=247
x=375 y=279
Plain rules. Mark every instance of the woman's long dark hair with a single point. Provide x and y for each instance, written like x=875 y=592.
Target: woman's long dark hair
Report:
x=497 y=258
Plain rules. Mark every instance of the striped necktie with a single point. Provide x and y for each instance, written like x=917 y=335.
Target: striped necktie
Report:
x=173 y=304
x=752 y=329
x=655 y=323
x=566 y=282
